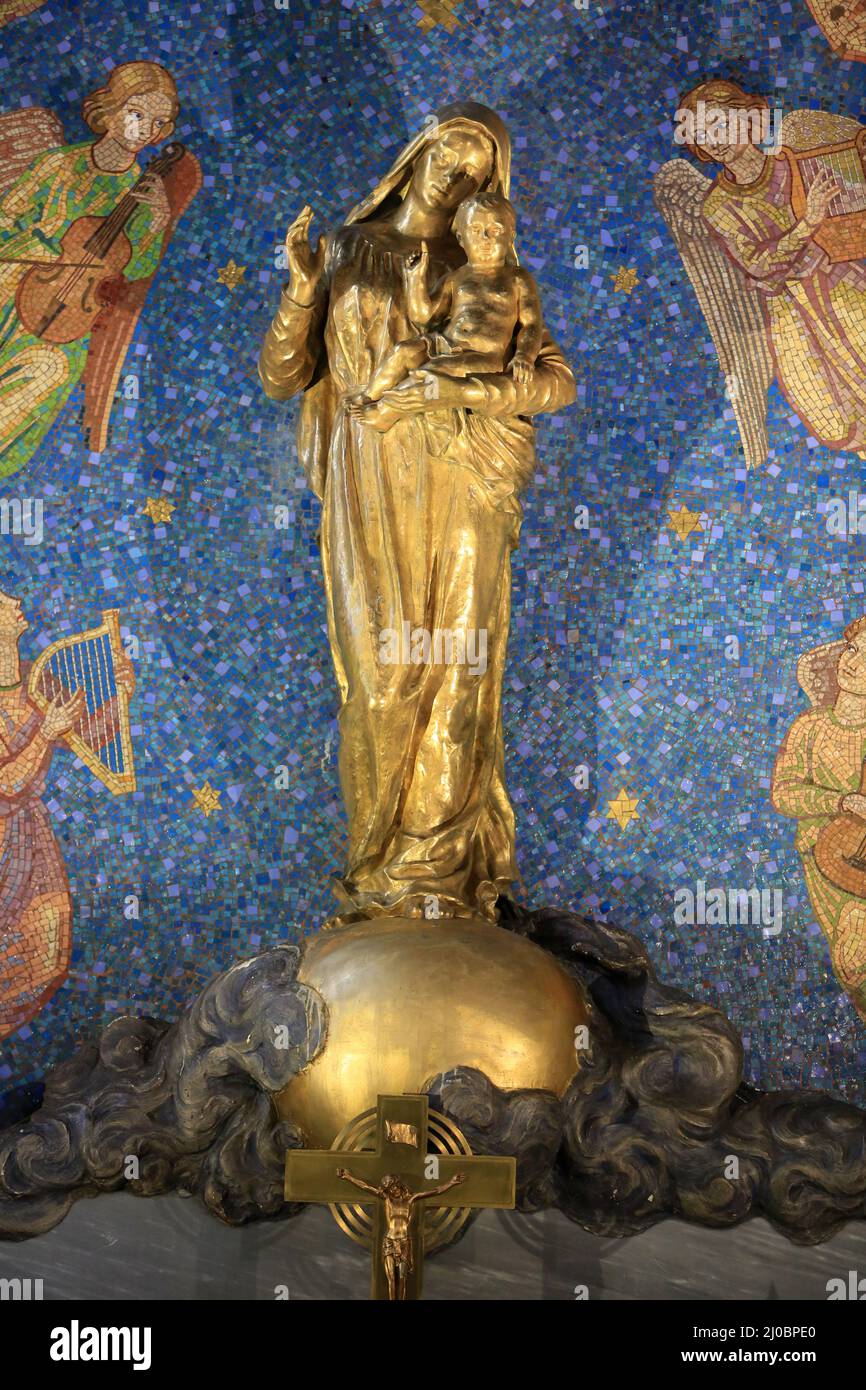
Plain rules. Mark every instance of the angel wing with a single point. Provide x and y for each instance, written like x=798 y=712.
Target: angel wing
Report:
x=816 y=673
x=114 y=329
x=843 y=26
x=24 y=135
x=806 y=130
x=730 y=305
x=16 y=9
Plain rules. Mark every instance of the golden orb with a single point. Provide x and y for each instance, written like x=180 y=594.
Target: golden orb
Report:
x=408 y=999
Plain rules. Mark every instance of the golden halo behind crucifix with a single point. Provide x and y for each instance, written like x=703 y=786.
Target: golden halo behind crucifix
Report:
x=442 y=1225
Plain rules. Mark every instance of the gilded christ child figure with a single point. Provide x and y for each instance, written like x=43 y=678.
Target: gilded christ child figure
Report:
x=485 y=302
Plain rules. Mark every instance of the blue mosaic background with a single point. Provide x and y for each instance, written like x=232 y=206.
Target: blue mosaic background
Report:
x=617 y=654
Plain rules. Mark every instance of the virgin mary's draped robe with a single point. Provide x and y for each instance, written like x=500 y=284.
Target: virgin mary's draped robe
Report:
x=418 y=525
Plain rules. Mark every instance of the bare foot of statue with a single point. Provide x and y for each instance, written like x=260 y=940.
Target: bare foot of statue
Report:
x=355 y=404
x=377 y=414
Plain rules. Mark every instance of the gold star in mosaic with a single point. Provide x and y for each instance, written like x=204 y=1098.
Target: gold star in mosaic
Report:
x=623 y=808
x=206 y=798
x=625 y=280
x=684 y=522
x=231 y=274
x=438 y=12
x=159 y=509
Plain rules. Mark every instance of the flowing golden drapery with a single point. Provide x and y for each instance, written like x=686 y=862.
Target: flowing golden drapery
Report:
x=418 y=525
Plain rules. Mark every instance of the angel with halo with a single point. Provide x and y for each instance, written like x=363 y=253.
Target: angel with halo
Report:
x=54 y=194
x=774 y=247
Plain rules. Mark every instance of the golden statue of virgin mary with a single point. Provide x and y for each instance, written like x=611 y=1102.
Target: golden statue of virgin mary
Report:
x=418 y=525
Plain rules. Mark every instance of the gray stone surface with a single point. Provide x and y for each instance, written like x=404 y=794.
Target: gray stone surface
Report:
x=123 y=1247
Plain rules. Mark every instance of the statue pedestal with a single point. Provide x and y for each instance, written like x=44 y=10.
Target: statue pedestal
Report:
x=405 y=1000
x=549 y=1040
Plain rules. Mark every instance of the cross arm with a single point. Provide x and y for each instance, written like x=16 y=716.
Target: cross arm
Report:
x=489 y=1182
x=311 y=1176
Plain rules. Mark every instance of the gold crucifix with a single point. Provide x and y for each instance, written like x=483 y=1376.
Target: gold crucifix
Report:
x=399 y=1176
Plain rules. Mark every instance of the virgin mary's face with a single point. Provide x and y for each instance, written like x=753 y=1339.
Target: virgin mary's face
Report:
x=451 y=168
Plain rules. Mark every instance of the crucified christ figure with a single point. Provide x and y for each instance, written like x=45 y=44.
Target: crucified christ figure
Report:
x=399 y=1201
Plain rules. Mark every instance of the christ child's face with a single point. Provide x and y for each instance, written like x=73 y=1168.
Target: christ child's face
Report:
x=142 y=120
x=450 y=169
x=12 y=620
x=851 y=667
x=486 y=237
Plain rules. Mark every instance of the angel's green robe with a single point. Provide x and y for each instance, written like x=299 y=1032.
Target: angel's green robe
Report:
x=36 y=378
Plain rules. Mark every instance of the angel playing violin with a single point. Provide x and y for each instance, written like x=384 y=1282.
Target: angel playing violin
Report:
x=774 y=248
x=82 y=232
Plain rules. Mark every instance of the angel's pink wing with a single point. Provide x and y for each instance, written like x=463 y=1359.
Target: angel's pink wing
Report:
x=115 y=327
x=24 y=135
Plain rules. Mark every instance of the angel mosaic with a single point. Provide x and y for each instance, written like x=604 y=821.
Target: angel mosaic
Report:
x=843 y=23
x=82 y=232
x=820 y=780
x=774 y=247
x=76 y=693
x=16 y=9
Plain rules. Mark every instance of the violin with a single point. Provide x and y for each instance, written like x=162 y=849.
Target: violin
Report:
x=840 y=850
x=58 y=301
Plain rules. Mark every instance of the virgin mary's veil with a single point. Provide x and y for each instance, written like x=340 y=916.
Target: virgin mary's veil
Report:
x=317 y=407
x=460 y=115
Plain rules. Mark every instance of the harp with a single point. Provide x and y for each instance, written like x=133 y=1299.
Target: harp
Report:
x=843 y=234
x=89 y=662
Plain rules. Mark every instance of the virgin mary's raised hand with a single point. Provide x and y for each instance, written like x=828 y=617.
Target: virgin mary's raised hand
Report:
x=305 y=264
